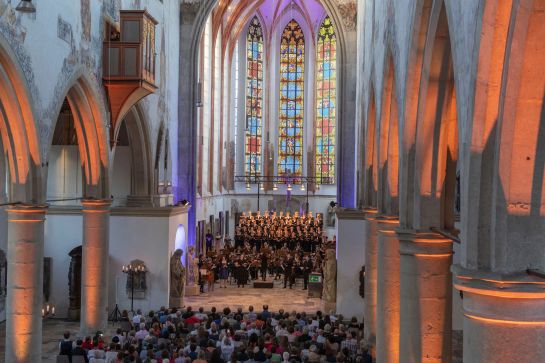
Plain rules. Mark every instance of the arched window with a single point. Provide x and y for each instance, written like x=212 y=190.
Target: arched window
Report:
x=292 y=77
x=254 y=98
x=326 y=96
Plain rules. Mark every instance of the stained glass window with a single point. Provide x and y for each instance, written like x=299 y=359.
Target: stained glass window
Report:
x=326 y=81
x=254 y=98
x=290 y=128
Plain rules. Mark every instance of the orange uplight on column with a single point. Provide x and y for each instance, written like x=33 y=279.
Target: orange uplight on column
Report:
x=505 y=314
x=94 y=274
x=425 y=314
x=388 y=292
x=24 y=283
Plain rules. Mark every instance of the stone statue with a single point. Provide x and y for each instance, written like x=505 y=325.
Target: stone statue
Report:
x=177 y=279
x=330 y=280
x=192 y=267
x=331 y=210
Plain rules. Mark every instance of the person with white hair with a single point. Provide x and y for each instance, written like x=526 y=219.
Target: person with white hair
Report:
x=142 y=333
x=286 y=357
x=97 y=356
x=227 y=348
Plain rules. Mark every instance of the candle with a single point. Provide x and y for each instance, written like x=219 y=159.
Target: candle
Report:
x=43 y=312
x=47 y=308
x=53 y=310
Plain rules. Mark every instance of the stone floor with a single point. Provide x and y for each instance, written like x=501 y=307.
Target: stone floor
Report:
x=277 y=297
x=294 y=299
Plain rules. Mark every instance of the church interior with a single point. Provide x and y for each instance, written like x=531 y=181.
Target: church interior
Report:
x=343 y=167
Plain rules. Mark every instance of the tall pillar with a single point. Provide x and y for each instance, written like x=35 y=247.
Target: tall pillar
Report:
x=94 y=271
x=425 y=316
x=504 y=316
x=351 y=251
x=24 y=298
x=370 y=300
x=387 y=349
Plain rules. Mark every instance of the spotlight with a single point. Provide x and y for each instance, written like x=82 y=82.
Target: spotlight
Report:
x=275 y=187
x=289 y=187
x=184 y=202
x=26 y=6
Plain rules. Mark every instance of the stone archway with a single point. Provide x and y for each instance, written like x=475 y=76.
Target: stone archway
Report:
x=25 y=227
x=90 y=127
x=133 y=129
x=194 y=17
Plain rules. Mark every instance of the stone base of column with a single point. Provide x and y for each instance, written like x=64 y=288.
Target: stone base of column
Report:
x=425 y=314
x=192 y=290
x=176 y=302
x=351 y=251
x=504 y=316
x=387 y=349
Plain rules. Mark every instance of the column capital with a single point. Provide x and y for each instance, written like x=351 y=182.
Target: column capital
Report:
x=26 y=212
x=487 y=283
x=421 y=243
x=96 y=204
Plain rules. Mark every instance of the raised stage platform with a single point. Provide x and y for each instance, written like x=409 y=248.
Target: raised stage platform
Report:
x=277 y=298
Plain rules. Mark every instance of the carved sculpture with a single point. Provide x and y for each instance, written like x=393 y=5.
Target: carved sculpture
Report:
x=192 y=267
x=331 y=210
x=177 y=279
x=330 y=280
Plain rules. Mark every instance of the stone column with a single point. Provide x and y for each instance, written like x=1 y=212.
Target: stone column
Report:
x=24 y=298
x=351 y=251
x=504 y=316
x=425 y=316
x=388 y=292
x=94 y=271
x=370 y=300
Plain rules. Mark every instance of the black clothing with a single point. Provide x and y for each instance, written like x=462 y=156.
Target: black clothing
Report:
x=66 y=348
x=264 y=267
x=80 y=351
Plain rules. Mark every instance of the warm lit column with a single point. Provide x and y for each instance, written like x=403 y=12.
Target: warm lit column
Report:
x=370 y=300
x=24 y=298
x=387 y=348
x=504 y=316
x=425 y=314
x=94 y=273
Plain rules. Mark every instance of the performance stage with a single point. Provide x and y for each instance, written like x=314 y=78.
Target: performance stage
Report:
x=277 y=298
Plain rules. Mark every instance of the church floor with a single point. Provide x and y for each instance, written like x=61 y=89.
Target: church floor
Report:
x=277 y=298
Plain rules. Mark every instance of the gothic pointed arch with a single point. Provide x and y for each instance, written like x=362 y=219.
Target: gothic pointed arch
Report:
x=254 y=99
x=291 y=105
x=326 y=102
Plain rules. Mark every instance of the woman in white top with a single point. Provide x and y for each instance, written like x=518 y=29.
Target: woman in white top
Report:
x=227 y=349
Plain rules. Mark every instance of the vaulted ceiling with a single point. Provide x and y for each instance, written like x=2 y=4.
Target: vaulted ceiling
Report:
x=231 y=16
